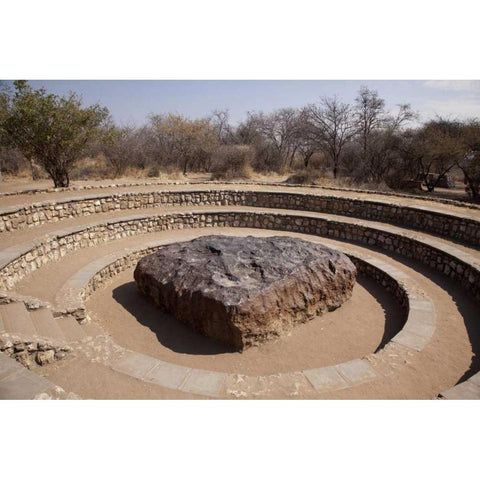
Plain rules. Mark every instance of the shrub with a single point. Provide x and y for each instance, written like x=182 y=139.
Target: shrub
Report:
x=12 y=161
x=232 y=161
x=308 y=176
x=153 y=171
x=97 y=168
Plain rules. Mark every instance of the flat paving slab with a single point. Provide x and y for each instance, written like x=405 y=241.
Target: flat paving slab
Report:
x=203 y=382
x=17 y=319
x=356 y=371
x=167 y=375
x=135 y=364
x=8 y=366
x=411 y=340
x=23 y=385
x=421 y=323
x=325 y=379
x=463 y=391
x=475 y=379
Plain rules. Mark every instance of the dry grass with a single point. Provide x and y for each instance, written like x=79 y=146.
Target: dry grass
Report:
x=305 y=177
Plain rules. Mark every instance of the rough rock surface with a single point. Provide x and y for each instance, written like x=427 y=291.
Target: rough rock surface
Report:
x=244 y=291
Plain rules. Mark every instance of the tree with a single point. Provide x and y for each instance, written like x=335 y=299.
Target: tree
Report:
x=51 y=130
x=185 y=141
x=11 y=161
x=248 y=131
x=469 y=162
x=441 y=147
x=330 y=125
x=385 y=162
x=280 y=132
x=369 y=113
x=219 y=119
x=118 y=146
x=5 y=93
x=377 y=134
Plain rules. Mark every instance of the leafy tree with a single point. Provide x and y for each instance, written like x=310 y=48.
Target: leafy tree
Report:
x=432 y=150
x=51 y=130
x=469 y=162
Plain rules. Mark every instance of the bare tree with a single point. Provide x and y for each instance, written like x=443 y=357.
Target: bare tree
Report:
x=220 y=120
x=248 y=132
x=280 y=128
x=404 y=115
x=330 y=125
x=370 y=116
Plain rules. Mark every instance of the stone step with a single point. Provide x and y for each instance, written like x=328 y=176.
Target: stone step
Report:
x=46 y=325
x=71 y=329
x=16 y=319
x=18 y=383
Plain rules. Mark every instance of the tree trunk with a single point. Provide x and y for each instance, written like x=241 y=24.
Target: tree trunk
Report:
x=472 y=186
x=335 y=166
x=474 y=191
x=306 y=158
x=60 y=178
x=32 y=169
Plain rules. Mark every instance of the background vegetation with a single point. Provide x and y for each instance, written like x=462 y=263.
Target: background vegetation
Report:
x=355 y=144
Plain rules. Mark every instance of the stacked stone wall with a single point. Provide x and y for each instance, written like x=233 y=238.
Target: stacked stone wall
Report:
x=460 y=228
x=56 y=247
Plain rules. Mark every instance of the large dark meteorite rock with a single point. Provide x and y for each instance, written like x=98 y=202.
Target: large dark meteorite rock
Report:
x=246 y=290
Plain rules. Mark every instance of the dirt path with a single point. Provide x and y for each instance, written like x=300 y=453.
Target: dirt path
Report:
x=19 y=200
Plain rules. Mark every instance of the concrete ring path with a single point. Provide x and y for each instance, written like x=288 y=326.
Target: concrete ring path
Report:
x=414 y=336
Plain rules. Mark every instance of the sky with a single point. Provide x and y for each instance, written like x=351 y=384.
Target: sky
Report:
x=131 y=101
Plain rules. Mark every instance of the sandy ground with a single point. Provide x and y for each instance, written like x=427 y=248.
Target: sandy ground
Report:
x=96 y=381
x=361 y=325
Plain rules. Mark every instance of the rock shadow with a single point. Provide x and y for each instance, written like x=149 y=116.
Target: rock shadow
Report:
x=170 y=332
x=465 y=303
x=395 y=315
x=179 y=338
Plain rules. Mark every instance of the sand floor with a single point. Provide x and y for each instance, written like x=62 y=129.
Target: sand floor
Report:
x=360 y=326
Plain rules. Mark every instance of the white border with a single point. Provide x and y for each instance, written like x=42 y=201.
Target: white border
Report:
x=251 y=39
